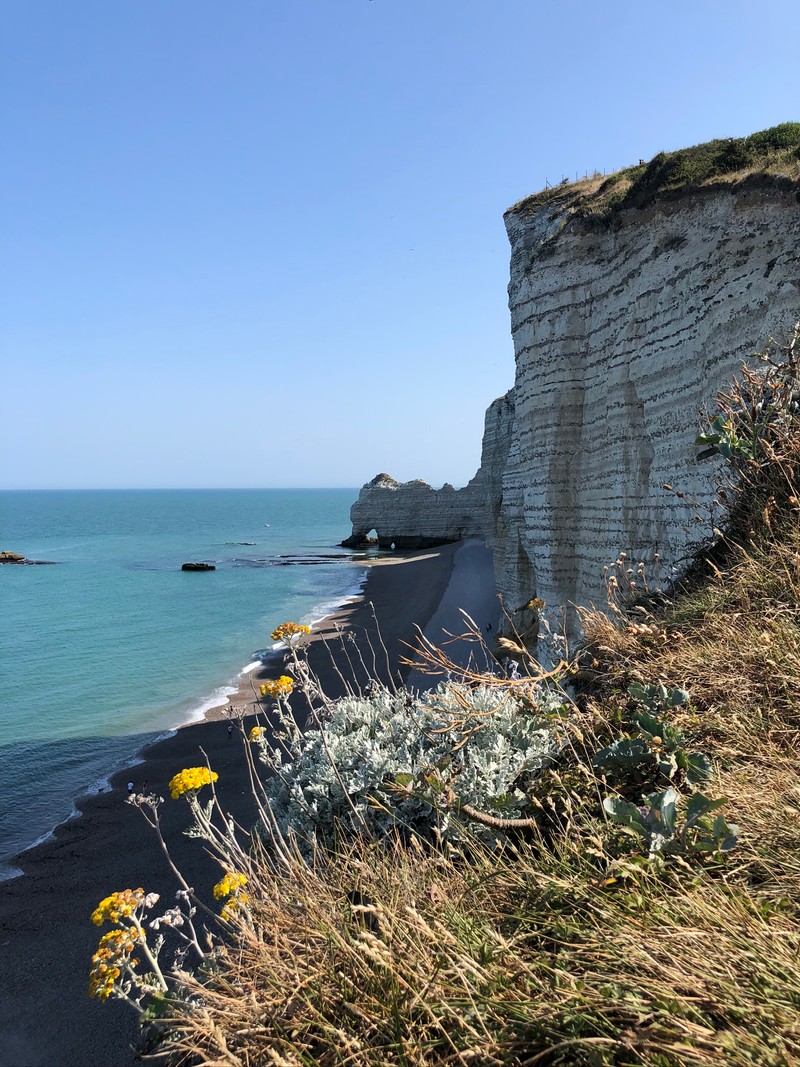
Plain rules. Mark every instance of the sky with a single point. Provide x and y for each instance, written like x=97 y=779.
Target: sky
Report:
x=260 y=243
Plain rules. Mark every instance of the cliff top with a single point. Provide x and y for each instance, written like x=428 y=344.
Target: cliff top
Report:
x=772 y=153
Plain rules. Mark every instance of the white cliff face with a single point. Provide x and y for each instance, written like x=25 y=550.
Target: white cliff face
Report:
x=621 y=337
x=414 y=514
x=504 y=516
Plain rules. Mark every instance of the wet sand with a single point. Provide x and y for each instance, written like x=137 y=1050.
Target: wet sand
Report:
x=46 y=936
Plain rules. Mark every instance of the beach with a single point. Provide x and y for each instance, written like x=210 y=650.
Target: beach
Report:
x=46 y=936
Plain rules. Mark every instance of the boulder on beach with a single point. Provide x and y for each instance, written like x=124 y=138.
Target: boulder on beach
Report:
x=198 y=567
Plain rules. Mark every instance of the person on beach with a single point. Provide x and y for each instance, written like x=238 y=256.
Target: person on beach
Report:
x=130 y=787
x=230 y=729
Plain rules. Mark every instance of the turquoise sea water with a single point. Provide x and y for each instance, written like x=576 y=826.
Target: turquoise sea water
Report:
x=116 y=644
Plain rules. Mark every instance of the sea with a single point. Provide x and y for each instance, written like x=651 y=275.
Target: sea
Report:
x=113 y=645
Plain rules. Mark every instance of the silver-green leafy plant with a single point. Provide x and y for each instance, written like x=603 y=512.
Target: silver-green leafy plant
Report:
x=395 y=762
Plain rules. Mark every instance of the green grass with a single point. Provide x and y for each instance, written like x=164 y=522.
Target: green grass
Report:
x=771 y=153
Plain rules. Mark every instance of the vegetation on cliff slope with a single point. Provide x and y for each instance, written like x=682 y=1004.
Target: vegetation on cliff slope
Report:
x=772 y=154
x=642 y=904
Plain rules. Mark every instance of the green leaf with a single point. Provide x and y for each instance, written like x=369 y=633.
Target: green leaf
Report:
x=625 y=755
x=700 y=805
x=626 y=814
x=678 y=697
x=698 y=768
x=726 y=834
x=649 y=725
x=435 y=782
x=663 y=809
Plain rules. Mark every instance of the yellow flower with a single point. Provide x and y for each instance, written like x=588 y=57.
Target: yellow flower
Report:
x=234 y=905
x=231 y=883
x=115 y=947
x=118 y=906
x=288 y=630
x=256 y=733
x=115 y=942
x=101 y=980
x=190 y=780
x=278 y=687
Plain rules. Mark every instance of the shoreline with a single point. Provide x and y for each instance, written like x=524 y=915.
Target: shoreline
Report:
x=46 y=938
x=212 y=706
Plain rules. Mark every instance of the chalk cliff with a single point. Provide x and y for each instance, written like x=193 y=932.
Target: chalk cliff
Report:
x=622 y=333
x=634 y=300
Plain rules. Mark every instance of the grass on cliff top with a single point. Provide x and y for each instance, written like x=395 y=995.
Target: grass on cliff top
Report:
x=568 y=947
x=773 y=153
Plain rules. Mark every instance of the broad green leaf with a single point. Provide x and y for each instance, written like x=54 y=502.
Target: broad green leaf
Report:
x=626 y=814
x=698 y=768
x=700 y=805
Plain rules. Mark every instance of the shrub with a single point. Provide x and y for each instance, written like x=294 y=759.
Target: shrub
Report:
x=387 y=761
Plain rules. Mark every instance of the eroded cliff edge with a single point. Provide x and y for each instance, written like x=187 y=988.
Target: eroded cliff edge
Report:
x=633 y=301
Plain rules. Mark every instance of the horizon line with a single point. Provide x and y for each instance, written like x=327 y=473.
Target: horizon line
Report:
x=177 y=488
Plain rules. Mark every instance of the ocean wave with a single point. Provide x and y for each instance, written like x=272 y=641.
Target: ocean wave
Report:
x=216 y=699
x=328 y=607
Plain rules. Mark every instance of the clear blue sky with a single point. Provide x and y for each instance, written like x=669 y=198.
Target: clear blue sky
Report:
x=260 y=242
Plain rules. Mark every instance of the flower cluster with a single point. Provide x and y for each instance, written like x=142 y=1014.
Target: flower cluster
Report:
x=190 y=780
x=231 y=883
x=119 y=906
x=287 y=631
x=231 y=886
x=278 y=687
x=115 y=948
x=256 y=733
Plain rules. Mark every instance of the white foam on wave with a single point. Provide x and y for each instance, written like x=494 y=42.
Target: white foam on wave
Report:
x=40 y=840
x=329 y=607
x=221 y=695
x=216 y=699
x=322 y=611
x=103 y=784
